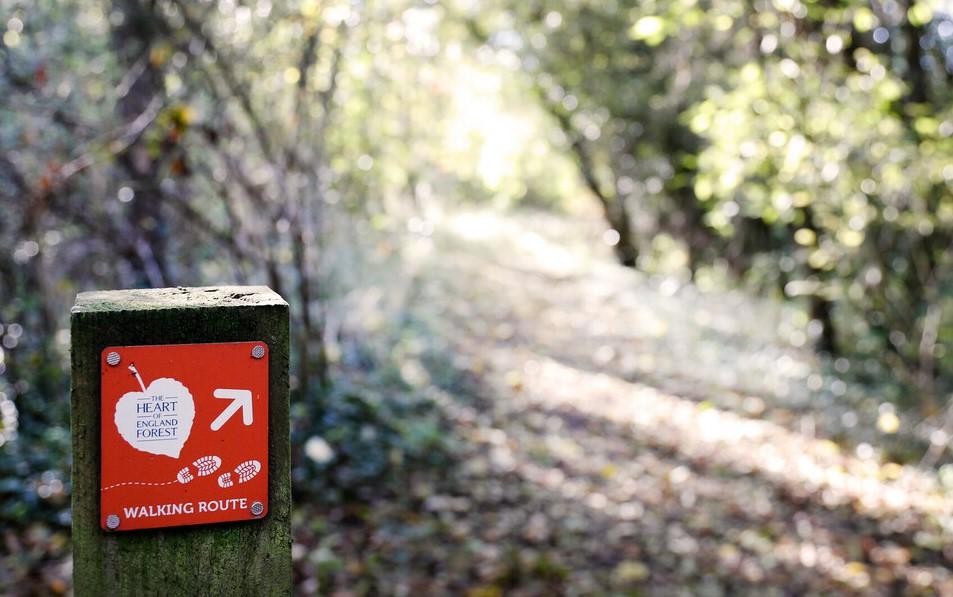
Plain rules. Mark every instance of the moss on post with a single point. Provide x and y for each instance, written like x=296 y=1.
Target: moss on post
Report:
x=245 y=558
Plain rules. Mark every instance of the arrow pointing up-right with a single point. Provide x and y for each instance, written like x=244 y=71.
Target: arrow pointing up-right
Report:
x=241 y=399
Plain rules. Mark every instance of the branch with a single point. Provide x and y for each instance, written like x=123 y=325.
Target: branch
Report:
x=235 y=87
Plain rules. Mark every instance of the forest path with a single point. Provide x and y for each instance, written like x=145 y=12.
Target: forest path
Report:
x=631 y=433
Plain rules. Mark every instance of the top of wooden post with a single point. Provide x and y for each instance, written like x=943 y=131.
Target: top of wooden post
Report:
x=175 y=298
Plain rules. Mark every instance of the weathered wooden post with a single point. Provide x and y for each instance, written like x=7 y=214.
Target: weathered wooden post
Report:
x=181 y=456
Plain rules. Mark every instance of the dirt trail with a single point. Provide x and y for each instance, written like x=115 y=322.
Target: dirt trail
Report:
x=658 y=431
x=622 y=434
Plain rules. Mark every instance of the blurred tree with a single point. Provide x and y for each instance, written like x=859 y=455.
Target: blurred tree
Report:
x=803 y=146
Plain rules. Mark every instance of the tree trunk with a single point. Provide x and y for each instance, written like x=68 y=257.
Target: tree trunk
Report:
x=134 y=39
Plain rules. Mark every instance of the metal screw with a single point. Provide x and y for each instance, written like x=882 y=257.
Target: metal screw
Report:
x=112 y=522
x=113 y=359
x=258 y=351
x=257 y=508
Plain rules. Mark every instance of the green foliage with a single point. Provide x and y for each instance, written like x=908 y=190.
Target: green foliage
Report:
x=803 y=147
x=34 y=431
x=355 y=445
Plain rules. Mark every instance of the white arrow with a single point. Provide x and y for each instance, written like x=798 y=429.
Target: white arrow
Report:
x=241 y=399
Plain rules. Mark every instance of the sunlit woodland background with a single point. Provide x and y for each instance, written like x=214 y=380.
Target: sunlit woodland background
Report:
x=588 y=296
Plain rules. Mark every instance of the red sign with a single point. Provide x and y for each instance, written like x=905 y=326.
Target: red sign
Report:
x=184 y=434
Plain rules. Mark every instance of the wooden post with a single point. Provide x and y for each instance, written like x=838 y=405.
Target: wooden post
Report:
x=251 y=557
